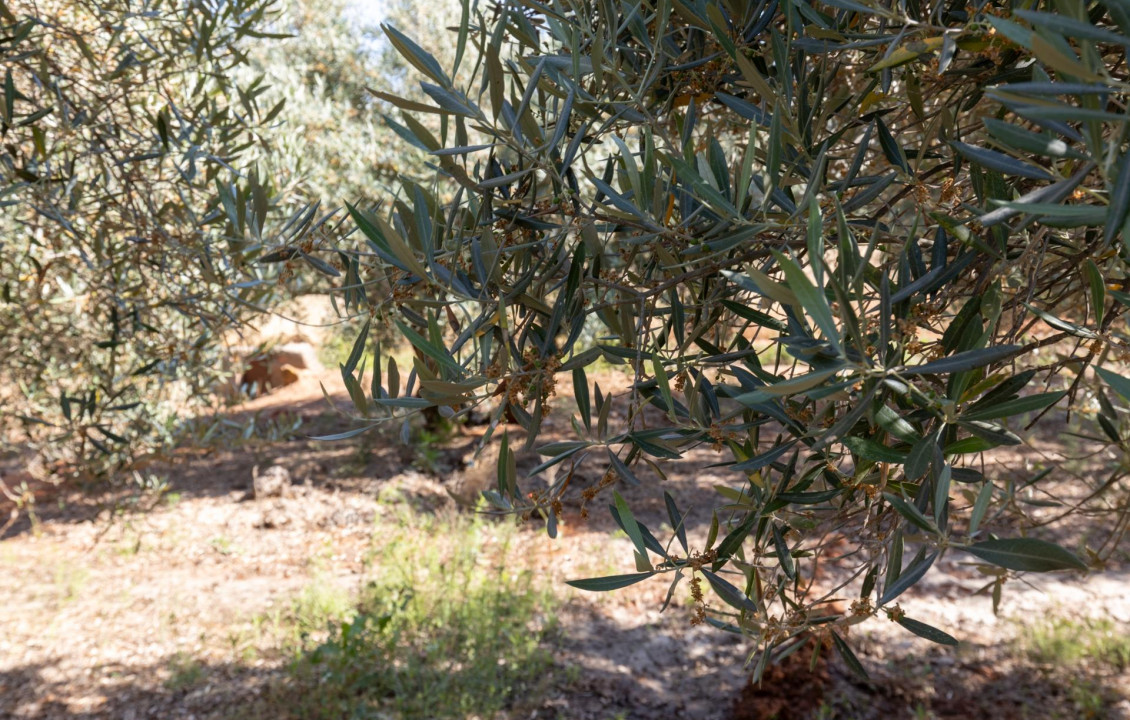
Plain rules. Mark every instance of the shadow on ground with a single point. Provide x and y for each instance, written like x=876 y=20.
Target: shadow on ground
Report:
x=286 y=433
x=684 y=676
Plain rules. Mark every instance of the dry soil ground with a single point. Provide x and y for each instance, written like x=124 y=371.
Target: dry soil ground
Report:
x=108 y=612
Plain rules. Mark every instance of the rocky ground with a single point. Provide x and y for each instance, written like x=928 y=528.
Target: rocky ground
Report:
x=108 y=612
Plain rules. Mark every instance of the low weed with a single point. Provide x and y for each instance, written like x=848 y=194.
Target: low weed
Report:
x=445 y=628
x=69 y=580
x=1068 y=641
x=224 y=545
x=184 y=672
x=318 y=606
x=1085 y=652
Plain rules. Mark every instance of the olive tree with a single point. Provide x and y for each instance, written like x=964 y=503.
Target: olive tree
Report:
x=828 y=239
x=322 y=72
x=132 y=215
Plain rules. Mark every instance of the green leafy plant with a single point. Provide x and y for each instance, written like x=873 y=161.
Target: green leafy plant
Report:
x=906 y=204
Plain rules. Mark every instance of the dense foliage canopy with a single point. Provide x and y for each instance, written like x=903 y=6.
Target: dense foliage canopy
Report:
x=850 y=245
x=131 y=212
x=150 y=153
x=847 y=246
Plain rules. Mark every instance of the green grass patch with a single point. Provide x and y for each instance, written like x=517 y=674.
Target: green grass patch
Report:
x=185 y=672
x=446 y=628
x=1068 y=642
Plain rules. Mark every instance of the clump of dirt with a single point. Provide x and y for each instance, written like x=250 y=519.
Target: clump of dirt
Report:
x=792 y=689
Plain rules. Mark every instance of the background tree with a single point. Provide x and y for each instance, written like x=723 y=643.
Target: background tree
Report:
x=133 y=214
x=147 y=159
x=322 y=71
x=327 y=71
x=825 y=237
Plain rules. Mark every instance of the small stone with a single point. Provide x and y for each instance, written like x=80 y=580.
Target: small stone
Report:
x=274 y=517
x=272 y=482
